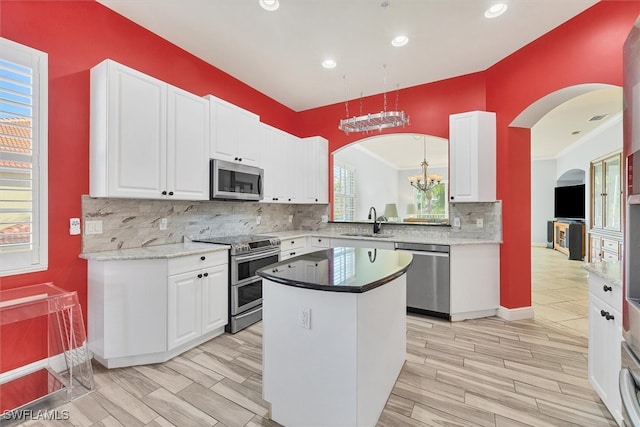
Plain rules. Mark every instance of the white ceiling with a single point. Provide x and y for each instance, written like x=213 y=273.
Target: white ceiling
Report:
x=280 y=53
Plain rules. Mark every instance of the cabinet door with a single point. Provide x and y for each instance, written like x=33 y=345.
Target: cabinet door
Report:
x=234 y=133
x=472 y=149
x=184 y=315
x=223 y=130
x=215 y=297
x=605 y=336
x=613 y=191
x=315 y=171
x=136 y=134
x=187 y=146
x=597 y=195
x=273 y=162
x=248 y=137
x=296 y=171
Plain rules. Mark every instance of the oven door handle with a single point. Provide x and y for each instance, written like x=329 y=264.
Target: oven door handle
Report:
x=256 y=255
x=628 y=393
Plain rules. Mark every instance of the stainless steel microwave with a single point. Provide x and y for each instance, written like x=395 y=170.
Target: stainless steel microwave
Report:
x=233 y=181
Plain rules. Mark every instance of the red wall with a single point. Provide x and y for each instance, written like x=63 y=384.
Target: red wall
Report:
x=79 y=34
x=586 y=49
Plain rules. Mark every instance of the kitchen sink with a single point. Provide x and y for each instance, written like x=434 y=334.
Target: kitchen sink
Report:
x=386 y=236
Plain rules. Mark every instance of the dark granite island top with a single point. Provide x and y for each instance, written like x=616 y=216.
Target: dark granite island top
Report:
x=341 y=269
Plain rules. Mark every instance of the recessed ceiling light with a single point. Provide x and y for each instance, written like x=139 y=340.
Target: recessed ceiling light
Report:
x=329 y=63
x=495 y=10
x=270 y=5
x=400 y=41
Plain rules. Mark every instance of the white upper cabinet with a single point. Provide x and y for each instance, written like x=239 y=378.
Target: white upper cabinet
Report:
x=316 y=170
x=235 y=133
x=295 y=169
x=187 y=146
x=149 y=140
x=272 y=144
x=472 y=151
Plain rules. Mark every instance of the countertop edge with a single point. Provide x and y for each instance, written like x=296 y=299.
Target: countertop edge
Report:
x=327 y=235
x=154 y=252
x=609 y=271
x=343 y=289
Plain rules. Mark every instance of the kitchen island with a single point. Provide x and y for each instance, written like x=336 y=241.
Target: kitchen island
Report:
x=334 y=335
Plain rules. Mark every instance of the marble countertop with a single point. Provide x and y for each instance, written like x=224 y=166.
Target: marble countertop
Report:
x=293 y=234
x=369 y=268
x=609 y=271
x=151 y=252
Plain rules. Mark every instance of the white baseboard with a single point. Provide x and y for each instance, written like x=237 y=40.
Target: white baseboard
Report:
x=56 y=363
x=539 y=244
x=512 y=314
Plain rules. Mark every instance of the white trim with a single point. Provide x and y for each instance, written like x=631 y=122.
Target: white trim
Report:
x=539 y=244
x=56 y=363
x=39 y=63
x=512 y=314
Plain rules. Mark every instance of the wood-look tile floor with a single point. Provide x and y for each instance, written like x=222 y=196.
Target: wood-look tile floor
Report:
x=484 y=372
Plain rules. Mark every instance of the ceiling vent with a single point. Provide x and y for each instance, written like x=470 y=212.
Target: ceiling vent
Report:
x=598 y=117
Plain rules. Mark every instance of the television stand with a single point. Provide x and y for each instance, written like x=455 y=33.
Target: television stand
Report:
x=569 y=237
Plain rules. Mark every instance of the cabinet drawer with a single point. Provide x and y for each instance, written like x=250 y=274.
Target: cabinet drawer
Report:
x=612 y=295
x=319 y=242
x=289 y=244
x=196 y=262
x=610 y=245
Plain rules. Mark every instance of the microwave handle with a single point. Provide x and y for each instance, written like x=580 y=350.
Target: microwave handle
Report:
x=259 y=184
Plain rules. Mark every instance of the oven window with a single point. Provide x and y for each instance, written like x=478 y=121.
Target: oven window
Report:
x=247 y=269
x=249 y=293
x=238 y=182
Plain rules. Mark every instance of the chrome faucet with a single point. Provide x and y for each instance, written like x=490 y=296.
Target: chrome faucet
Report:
x=376 y=225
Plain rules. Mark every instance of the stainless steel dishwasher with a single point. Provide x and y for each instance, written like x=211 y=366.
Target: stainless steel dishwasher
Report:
x=428 y=279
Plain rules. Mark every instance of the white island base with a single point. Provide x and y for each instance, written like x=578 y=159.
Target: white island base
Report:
x=341 y=371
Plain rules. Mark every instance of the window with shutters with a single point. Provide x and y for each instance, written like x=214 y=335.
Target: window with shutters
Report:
x=23 y=159
x=344 y=192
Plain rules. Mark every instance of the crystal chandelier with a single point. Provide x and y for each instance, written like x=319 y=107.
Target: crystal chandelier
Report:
x=424 y=182
x=373 y=121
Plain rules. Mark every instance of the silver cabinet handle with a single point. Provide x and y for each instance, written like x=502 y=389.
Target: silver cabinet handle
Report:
x=629 y=397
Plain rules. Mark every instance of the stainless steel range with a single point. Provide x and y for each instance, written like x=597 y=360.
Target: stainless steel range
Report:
x=248 y=254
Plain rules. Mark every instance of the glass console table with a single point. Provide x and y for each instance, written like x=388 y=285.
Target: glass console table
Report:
x=65 y=335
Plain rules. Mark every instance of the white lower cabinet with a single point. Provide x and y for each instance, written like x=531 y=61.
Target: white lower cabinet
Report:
x=197 y=304
x=150 y=310
x=475 y=281
x=605 y=336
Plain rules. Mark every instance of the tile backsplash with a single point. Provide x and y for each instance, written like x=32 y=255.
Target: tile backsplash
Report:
x=129 y=223
x=133 y=223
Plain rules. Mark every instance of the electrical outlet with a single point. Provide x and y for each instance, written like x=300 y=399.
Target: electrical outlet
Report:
x=456 y=222
x=258 y=220
x=305 y=318
x=325 y=218
x=290 y=218
x=479 y=223
x=74 y=226
x=163 y=223
x=93 y=227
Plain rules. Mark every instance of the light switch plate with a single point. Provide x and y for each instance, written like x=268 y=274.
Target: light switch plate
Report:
x=456 y=222
x=479 y=223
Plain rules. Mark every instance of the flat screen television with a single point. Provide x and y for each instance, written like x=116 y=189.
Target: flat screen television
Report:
x=569 y=202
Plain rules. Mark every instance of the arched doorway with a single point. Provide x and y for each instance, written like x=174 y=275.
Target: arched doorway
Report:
x=569 y=164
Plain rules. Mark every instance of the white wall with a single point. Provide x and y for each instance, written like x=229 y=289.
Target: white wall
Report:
x=605 y=140
x=543 y=181
x=376 y=181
